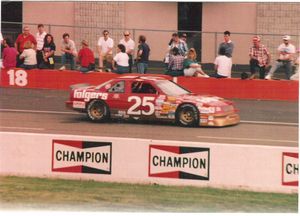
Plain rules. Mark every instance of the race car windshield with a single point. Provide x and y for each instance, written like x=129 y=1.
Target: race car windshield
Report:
x=103 y=84
x=171 y=88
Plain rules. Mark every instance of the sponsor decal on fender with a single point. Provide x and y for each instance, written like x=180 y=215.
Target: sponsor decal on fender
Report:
x=290 y=167
x=179 y=162
x=81 y=156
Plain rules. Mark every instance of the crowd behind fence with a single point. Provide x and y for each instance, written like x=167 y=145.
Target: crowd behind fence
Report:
x=205 y=43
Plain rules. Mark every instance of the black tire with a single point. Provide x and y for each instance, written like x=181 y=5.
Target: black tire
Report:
x=187 y=115
x=97 y=111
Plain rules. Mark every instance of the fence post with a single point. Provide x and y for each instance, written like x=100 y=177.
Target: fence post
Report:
x=49 y=29
x=216 y=44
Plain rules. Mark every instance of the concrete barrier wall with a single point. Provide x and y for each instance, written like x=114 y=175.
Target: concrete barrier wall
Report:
x=250 y=167
x=228 y=88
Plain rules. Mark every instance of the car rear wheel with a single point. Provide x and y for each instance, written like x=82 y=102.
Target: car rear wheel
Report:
x=97 y=111
x=187 y=115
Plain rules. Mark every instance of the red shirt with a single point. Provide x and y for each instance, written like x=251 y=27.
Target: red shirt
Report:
x=9 y=57
x=86 y=57
x=21 y=41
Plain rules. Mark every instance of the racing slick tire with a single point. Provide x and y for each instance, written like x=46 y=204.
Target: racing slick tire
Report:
x=97 y=111
x=187 y=115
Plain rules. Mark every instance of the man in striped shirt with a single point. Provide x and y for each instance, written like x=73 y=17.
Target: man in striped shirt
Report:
x=259 y=58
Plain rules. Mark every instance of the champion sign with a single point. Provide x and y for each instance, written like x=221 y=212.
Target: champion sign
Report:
x=81 y=156
x=290 y=169
x=179 y=162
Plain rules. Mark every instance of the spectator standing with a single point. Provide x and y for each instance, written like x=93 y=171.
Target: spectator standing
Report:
x=48 y=53
x=191 y=66
x=183 y=38
x=20 y=42
x=29 y=56
x=129 y=45
x=40 y=36
x=120 y=61
x=297 y=63
x=223 y=65
x=227 y=44
x=175 y=42
x=142 y=55
x=286 y=52
x=175 y=67
x=105 y=50
x=69 y=52
x=9 y=54
x=259 y=58
x=86 y=58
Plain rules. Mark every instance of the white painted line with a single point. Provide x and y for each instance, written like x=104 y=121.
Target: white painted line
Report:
x=40 y=111
x=266 y=122
x=77 y=113
x=89 y=137
x=247 y=139
x=22 y=128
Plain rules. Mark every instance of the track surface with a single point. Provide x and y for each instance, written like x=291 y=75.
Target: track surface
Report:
x=43 y=111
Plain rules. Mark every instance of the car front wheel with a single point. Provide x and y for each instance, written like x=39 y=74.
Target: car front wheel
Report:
x=187 y=115
x=97 y=111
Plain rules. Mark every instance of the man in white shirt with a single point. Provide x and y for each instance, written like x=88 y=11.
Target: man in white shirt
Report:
x=40 y=35
x=105 y=50
x=223 y=65
x=286 y=52
x=129 y=45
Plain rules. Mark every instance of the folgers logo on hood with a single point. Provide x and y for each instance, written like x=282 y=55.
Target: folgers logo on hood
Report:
x=179 y=162
x=81 y=156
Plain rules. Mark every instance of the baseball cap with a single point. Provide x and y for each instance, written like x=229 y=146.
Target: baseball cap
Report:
x=286 y=37
x=84 y=42
x=256 y=38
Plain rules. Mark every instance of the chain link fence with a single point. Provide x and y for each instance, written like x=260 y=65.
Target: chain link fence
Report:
x=205 y=43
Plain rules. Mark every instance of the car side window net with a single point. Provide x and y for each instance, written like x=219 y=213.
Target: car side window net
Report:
x=142 y=88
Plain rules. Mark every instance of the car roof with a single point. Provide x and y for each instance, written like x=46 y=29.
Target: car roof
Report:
x=144 y=77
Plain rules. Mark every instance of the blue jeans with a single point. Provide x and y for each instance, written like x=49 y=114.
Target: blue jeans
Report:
x=121 y=69
x=142 y=67
x=278 y=64
x=67 y=56
x=27 y=67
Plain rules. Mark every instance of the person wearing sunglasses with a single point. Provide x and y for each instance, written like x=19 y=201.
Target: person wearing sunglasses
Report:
x=129 y=46
x=105 y=50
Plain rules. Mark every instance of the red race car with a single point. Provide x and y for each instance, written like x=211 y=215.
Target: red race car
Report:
x=151 y=98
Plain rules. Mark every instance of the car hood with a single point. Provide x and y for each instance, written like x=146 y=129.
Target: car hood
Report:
x=210 y=100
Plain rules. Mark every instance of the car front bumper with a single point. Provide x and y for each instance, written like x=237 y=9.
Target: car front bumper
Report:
x=219 y=120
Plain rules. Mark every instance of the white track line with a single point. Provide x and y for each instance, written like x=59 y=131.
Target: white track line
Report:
x=265 y=122
x=247 y=139
x=40 y=111
x=22 y=128
x=76 y=113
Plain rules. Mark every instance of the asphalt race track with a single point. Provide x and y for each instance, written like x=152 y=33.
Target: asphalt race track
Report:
x=43 y=111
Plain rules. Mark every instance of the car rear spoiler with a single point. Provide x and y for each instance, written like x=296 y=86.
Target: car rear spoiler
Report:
x=79 y=85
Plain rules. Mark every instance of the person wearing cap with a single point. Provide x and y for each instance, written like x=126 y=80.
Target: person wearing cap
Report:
x=86 y=58
x=260 y=58
x=175 y=42
x=286 y=52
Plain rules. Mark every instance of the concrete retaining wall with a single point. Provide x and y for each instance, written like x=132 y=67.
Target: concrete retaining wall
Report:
x=250 y=167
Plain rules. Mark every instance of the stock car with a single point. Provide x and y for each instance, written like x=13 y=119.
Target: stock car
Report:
x=151 y=98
